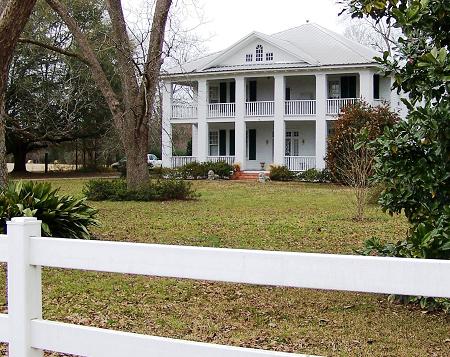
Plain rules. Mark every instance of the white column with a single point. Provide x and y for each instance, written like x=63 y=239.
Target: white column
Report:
x=24 y=286
x=366 y=86
x=321 y=120
x=194 y=140
x=239 y=126
x=202 y=140
x=278 y=123
x=166 y=126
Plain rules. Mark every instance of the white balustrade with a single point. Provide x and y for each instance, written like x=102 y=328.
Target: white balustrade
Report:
x=221 y=110
x=228 y=159
x=299 y=107
x=184 y=111
x=335 y=106
x=177 y=161
x=300 y=163
x=259 y=109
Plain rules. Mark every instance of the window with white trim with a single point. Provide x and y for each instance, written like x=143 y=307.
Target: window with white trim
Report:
x=269 y=56
x=249 y=57
x=259 y=53
x=213 y=143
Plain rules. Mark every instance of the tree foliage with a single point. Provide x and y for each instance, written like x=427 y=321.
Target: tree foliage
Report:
x=413 y=157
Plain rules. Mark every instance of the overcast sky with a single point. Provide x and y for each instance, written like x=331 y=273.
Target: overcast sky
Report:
x=223 y=22
x=227 y=21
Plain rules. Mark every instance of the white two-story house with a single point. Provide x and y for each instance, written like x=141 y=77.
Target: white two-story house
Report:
x=270 y=99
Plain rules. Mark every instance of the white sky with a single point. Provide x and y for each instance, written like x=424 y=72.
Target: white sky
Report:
x=227 y=21
x=223 y=22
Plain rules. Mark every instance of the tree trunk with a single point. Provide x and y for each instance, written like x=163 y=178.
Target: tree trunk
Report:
x=14 y=15
x=20 y=157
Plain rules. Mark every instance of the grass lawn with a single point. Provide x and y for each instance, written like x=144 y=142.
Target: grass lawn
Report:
x=273 y=216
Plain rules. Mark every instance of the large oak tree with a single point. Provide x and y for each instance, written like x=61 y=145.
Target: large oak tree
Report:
x=14 y=15
x=132 y=107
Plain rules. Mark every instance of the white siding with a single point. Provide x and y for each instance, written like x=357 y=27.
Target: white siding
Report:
x=307 y=136
x=264 y=144
x=302 y=87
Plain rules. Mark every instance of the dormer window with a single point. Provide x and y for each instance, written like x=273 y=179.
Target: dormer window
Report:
x=269 y=56
x=249 y=57
x=259 y=53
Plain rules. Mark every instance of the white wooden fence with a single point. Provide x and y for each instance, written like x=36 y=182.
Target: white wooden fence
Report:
x=335 y=106
x=26 y=252
x=184 y=111
x=177 y=161
x=228 y=159
x=300 y=163
x=221 y=110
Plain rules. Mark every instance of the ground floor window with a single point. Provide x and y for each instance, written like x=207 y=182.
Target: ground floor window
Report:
x=292 y=143
x=213 y=143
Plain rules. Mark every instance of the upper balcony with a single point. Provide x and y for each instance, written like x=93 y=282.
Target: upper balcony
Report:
x=258 y=99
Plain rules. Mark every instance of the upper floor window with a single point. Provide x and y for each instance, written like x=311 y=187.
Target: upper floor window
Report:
x=269 y=56
x=248 y=57
x=259 y=53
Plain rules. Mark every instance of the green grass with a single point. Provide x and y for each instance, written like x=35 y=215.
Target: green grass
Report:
x=275 y=216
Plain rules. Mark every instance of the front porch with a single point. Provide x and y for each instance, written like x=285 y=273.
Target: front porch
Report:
x=298 y=145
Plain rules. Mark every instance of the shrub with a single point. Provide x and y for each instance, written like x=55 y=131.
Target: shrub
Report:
x=62 y=216
x=154 y=190
x=281 y=173
x=354 y=120
x=220 y=168
x=313 y=175
x=199 y=170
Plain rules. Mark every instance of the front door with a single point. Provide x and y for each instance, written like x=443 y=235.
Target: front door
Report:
x=252 y=144
x=252 y=91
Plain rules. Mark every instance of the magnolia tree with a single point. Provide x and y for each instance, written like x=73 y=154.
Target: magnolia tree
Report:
x=413 y=157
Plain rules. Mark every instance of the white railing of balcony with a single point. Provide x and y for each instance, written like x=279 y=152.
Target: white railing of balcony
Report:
x=178 y=161
x=299 y=107
x=221 y=110
x=184 y=111
x=259 y=109
x=377 y=102
x=228 y=159
x=300 y=163
x=335 y=106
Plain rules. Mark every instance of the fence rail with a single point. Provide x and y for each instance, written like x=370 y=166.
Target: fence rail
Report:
x=259 y=109
x=228 y=159
x=299 y=107
x=300 y=163
x=177 y=161
x=335 y=106
x=184 y=111
x=28 y=334
x=221 y=110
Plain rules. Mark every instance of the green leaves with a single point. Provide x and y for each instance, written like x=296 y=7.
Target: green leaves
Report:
x=62 y=216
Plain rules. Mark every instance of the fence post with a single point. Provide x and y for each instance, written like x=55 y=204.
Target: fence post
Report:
x=24 y=286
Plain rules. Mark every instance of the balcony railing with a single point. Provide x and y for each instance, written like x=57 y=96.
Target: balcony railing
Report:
x=259 y=109
x=221 y=110
x=177 y=161
x=184 y=111
x=299 y=107
x=300 y=163
x=228 y=159
x=335 y=106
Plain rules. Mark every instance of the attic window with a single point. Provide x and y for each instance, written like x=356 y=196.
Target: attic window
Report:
x=269 y=56
x=249 y=57
x=259 y=53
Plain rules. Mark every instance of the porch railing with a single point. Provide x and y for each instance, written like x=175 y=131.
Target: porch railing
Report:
x=228 y=159
x=299 y=107
x=184 y=111
x=335 y=106
x=177 y=161
x=259 y=109
x=221 y=110
x=377 y=102
x=300 y=163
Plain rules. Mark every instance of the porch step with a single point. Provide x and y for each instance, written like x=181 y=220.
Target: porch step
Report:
x=248 y=175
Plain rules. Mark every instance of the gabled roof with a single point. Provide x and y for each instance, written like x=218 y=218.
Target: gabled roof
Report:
x=310 y=44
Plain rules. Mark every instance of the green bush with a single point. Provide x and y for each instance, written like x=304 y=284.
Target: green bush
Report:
x=61 y=216
x=154 y=190
x=313 y=175
x=199 y=170
x=281 y=173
